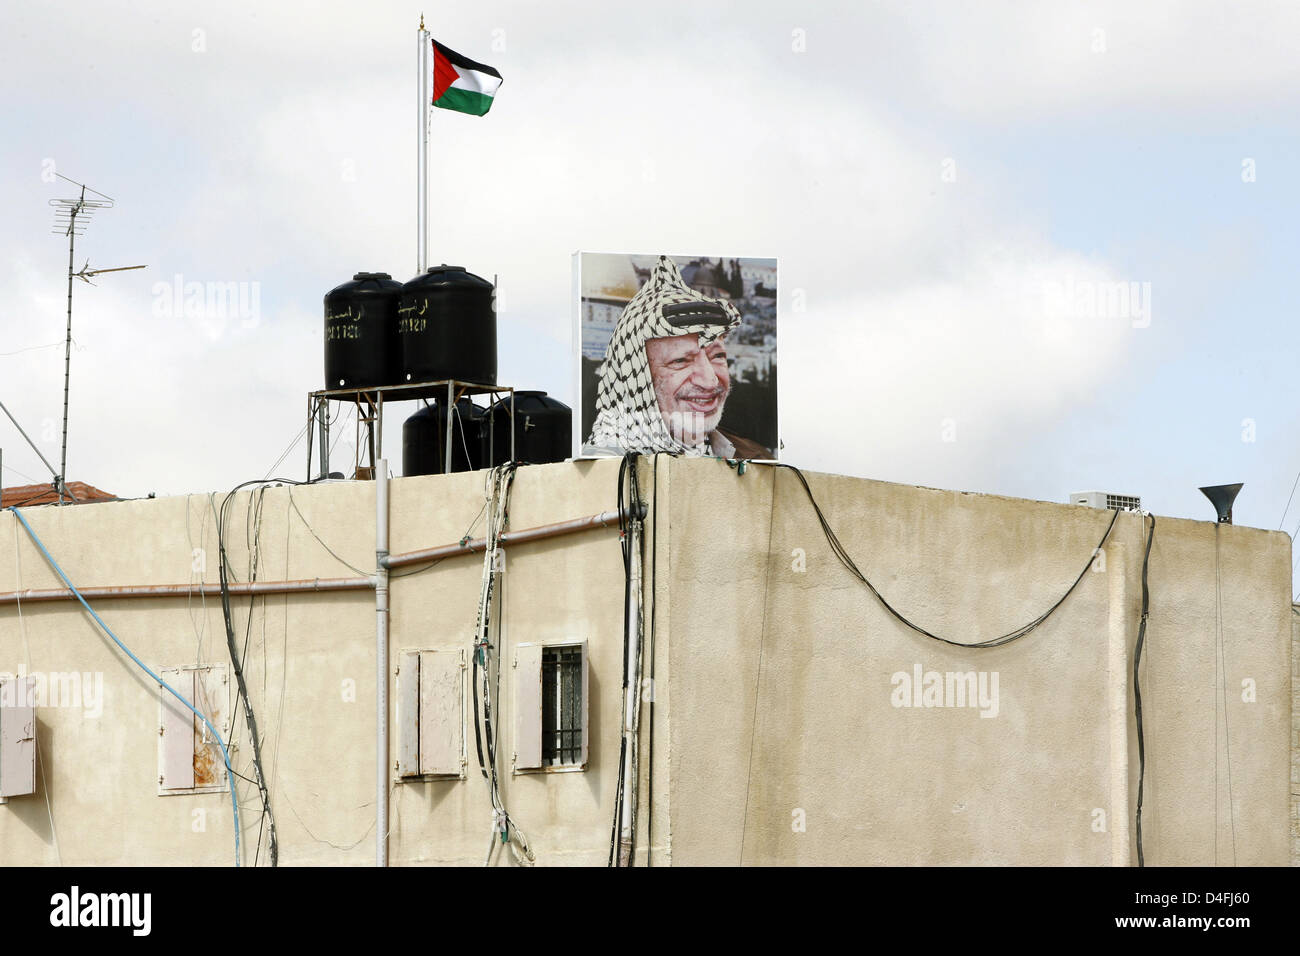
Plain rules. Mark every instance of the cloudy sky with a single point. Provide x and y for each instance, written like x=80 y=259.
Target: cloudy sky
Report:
x=955 y=193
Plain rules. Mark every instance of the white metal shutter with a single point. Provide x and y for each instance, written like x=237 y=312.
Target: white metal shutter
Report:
x=176 y=747
x=528 y=706
x=442 y=732
x=408 y=714
x=17 y=737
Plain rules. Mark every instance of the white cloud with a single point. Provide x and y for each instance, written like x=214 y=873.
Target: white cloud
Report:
x=283 y=155
x=1010 y=61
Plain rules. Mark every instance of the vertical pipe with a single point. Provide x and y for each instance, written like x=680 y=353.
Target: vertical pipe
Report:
x=422 y=161
x=447 y=448
x=323 y=418
x=381 y=663
x=311 y=428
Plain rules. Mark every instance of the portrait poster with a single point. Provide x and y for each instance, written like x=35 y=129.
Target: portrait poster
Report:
x=676 y=353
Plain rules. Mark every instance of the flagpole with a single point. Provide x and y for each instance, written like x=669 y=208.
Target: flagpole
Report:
x=422 y=133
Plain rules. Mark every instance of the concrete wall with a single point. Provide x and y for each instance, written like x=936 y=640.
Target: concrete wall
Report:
x=772 y=692
x=793 y=751
x=1295 y=735
x=310 y=668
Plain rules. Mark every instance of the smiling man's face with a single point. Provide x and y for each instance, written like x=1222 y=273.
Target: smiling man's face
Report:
x=690 y=383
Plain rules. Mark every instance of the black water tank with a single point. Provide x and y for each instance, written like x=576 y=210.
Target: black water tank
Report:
x=424 y=438
x=361 y=344
x=543 y=429
x=447 y=324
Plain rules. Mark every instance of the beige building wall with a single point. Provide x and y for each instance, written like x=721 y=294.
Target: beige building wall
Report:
x=310 y=667
x=775 y=736
x=1295 y=735
x=815 y=764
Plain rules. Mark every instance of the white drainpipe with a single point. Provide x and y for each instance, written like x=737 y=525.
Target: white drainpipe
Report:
x=381 y=663
x=631 y=704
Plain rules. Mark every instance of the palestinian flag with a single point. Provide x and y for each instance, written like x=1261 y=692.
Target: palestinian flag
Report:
x=461 y=84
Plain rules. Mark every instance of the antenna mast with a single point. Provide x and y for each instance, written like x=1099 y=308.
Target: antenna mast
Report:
x=70 y=219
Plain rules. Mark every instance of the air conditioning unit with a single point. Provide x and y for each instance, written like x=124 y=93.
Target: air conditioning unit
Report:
x=1107 y=500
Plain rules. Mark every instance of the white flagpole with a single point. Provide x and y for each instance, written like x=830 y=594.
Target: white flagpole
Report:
x=422 y=132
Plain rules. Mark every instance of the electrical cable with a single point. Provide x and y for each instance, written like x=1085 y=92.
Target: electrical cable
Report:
x=224 y=571
x=199 y=629
x=337 y=846
x=292 y=445
x=332 y=552
x=420 y=570
x=237 y=659
x=1137 y=683
x=45 y=788
x=1288 y=501
x=313 y=422
x=255 y=548
x=1025 y=629
x=1009 y=637
x=31 y=498
x=234 y=803
x=21 y=474
x=33 y=348
x=617 y=823
x=497 y=496
x=460 y=424
x=631 y=515
x=654 y=593
x=469 y=532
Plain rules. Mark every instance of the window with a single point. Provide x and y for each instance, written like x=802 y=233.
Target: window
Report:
x=430 y=715
x=189 y=759
x=551 y=706
x=561 y=706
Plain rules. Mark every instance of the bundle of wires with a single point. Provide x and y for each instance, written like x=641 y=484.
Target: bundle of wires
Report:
x=631 y=515
x=225 y=572
x=487 y=665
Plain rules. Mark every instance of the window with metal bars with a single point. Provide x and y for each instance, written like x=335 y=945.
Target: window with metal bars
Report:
x=561 y=706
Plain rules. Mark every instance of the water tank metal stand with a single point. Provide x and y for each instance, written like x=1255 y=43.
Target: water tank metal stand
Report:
x=369 y=403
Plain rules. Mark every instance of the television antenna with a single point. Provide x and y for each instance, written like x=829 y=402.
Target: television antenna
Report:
x=71 y=216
